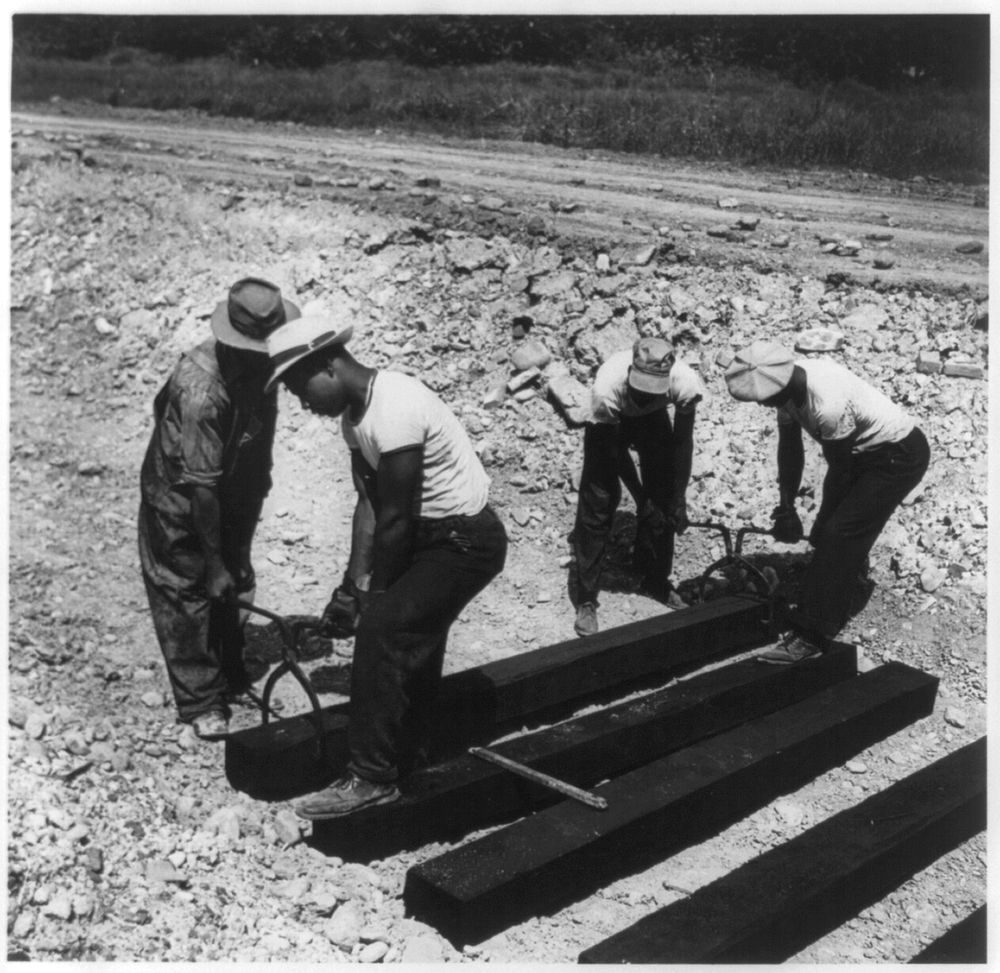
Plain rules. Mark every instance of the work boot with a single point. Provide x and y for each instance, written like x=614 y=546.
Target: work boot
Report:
x=791 y=649
x=212 y=725
x=586 y=619
x=346 y=795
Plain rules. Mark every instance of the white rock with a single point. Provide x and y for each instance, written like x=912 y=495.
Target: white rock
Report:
x=59 y=907
x=287 y=827
x=35 y=725
x=373 y=952
x=23 y=925
x=423 y=949
x=932 y=578
x=344 y=928
x=955 y=717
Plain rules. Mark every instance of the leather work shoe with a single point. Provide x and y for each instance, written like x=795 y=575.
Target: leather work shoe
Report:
x=345 y=796
x=793 y=648
x=586 y=619
x=211 y=726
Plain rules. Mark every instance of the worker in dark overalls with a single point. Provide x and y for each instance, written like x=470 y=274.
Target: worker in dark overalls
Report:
x=204 y=478
x=875 y=456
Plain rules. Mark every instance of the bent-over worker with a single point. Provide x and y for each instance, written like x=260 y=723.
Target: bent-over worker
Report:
x=875 y=453
x=629 y=401
x=425 y=541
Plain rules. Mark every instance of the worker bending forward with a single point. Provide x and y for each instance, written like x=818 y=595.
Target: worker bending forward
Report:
x=425 y=541
x=875 y=454
x=629 y=400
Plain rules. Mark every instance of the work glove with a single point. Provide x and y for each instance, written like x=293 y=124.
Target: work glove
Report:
x=677 y=519
x=787 y=526
x=219 y=583
x=246 y=579
x=340 y=617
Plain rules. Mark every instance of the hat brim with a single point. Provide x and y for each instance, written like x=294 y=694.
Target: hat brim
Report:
x=644 y=382
x=340 y=338
x=224 y=331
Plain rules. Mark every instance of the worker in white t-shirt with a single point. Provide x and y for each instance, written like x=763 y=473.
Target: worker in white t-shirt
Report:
x=875 y=454
x=424 y=543
x=630 y=396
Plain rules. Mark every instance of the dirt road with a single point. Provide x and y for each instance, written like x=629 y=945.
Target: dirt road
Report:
x=608 y=197
x=126 y=841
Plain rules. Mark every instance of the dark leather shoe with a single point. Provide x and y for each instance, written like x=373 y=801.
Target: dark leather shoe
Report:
x=345 y=796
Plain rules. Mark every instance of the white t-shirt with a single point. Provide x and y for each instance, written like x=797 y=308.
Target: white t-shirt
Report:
x=610 y=400
x=840 y=405
x=403 y=413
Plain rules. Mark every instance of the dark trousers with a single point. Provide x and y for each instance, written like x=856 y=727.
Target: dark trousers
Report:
x=601 y=492
x=202 y=641
x=851 y=516
x=400 y=642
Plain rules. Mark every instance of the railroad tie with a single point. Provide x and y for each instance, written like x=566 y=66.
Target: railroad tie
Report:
x=447 y=800
x=281 y=759
x=775 y=905
x=565 y=852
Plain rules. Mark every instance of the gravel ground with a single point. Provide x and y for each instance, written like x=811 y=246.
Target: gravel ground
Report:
x=125 y=840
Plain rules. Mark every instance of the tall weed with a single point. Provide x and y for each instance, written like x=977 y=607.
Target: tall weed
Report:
x=657 y=104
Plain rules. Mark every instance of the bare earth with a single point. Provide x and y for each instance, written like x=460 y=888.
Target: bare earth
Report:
x=125 y=840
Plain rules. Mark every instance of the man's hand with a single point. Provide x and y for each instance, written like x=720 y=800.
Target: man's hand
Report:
x=246 y=578
x=340 y=617
x=787 y=526
x=652 y=518
x=219 y=583
x=677 y=519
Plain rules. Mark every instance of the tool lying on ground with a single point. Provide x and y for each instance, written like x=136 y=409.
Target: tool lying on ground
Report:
x=577 y=793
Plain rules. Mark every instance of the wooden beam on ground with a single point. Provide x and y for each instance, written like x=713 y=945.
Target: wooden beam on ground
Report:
x=281 y=759
x=568 y=851
x=450 y=799
x=965 y=942
x=769 y=909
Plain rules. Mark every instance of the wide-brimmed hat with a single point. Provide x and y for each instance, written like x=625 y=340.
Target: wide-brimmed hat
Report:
x=289 y=344
x=759 y=371
x=652 y=359
x=252 y=311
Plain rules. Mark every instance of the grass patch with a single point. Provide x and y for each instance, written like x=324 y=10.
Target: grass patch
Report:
x=654 y=106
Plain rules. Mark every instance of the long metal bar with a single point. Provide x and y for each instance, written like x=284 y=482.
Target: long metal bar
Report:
x=577 y=793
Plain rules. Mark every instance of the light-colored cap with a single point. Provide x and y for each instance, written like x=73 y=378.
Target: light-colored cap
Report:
x=759 y=371
x=298 y=339
x=652 y=359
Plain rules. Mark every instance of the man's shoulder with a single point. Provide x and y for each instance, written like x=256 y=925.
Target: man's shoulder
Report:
x=197 y=376
x=825 y=370
x=614 y=370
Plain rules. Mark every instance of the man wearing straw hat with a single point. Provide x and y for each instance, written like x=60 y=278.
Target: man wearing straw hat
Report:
x=875 y=456
x=425 y=542
x=204 y=478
